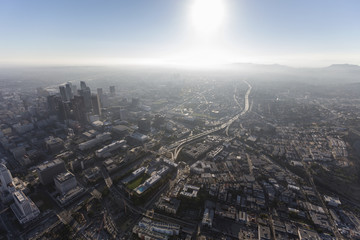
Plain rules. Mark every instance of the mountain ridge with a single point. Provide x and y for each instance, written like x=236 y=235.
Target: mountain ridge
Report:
x=278 y=66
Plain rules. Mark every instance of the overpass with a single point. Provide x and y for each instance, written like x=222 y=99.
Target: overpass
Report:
x=180 y=144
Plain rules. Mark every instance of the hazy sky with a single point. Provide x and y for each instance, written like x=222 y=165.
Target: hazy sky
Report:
x=293 y=32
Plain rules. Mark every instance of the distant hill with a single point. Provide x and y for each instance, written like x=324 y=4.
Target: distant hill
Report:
x=336 y=73
x=269 y=67
x=344 y=67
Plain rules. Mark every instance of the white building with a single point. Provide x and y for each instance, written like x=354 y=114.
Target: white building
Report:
x=151 y=181
x=106 y=151
x=93 y=142
x=190 y=191
x=168 y=229
x=5 y=177
x=332 y=201
x=64 y=182
x=134 y=175
x=24 y=208
x=208 y=217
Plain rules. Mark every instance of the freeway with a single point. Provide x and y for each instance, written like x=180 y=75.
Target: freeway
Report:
x=140 y=211
x=225 y=126
x=245 y=110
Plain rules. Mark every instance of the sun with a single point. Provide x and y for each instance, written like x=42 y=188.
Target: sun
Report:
x=207 y=15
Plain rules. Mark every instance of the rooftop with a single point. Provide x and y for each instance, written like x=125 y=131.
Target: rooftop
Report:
x=3 y=167
x=52 y=140
x=50 y=164
x=62 y=177
x=20 y=196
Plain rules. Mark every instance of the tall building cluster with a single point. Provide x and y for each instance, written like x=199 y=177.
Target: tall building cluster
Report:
x=78 y=105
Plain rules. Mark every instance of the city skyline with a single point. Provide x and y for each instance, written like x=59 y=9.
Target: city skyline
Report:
x=179 y=119
x=210 y=156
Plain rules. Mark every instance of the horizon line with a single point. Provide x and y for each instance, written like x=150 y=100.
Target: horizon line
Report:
x=165 y=64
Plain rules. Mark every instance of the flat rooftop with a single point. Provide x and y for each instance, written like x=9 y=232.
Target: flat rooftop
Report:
x=50 y=164
x=20 y=196
x=62 y=177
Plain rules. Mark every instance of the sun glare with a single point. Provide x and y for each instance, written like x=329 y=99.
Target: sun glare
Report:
x=207 y=15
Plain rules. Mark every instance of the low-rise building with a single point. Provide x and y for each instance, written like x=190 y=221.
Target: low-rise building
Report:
x=305 y=234
x=106 y=151
x=134 y=175
x=137 y=139
x=264 y=233
x=190 y=191
x=332 y=201
x=169 y=205
x=99 y=139
x=70 y=195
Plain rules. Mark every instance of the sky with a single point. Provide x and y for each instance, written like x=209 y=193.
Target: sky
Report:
x=300 y=33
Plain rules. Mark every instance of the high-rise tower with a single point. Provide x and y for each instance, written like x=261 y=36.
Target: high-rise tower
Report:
x=5 y=177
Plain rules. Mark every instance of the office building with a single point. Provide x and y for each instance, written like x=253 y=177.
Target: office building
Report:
x=68 y=90
x=78 y=107
x=151 y=181
x=64 y=182
x=5 y=177
x=64 y=111
x=134 y=175
x=63 y=94
x=96 y=106
x=54 y=145
x=106 y=151
x=124 y=114
x=144 y=125
x=208 y=217
x=136 y=139
x=48 y=170
x=135 y=102
x=74 y=89
x=24 y=208
x=112 y=91
x=158 y=120
x=149 y=229
x=100 y=95
x=86 y=93
x=169 y=205
x=53 y=102
x=100 y=138
x=82 y=85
